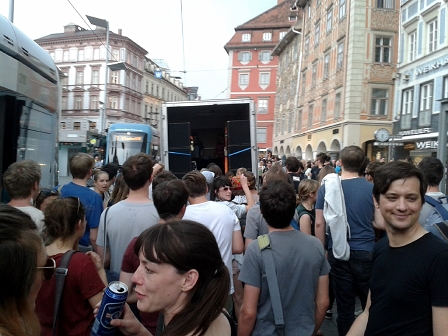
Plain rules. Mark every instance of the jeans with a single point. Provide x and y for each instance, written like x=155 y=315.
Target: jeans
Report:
x=350 y=279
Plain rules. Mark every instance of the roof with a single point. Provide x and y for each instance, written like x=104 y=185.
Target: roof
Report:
x=273 y=20
x=275 y=17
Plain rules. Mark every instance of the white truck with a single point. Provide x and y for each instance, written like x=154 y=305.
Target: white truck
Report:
x=197 y=133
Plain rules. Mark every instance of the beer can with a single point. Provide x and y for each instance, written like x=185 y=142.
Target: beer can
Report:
x=111 y=308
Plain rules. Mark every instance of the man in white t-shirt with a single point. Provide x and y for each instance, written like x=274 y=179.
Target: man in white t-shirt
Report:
x=21 y=181
x=218 y=218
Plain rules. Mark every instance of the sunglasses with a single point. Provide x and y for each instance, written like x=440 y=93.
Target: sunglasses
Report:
x=77 y=200
x=226 y=189
x=49 y=268
x=47 y=193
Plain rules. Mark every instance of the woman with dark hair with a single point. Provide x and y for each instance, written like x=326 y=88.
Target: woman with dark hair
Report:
x=182 y=275
x=121 y=191
x=85 y=281
x=23 y=267
x=45 y=197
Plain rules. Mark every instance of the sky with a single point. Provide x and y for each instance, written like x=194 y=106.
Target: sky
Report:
x=156 y=26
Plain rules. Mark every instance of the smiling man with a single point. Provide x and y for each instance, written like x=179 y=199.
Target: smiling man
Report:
x=409 y=283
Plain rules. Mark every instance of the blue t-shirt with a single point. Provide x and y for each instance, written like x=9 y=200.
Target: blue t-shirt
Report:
x=360 y=212
x=92 y=203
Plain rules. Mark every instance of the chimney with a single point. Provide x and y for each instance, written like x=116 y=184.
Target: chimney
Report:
x=120 y=32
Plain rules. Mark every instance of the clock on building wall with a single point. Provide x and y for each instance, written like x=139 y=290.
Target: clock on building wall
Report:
x=382 y=135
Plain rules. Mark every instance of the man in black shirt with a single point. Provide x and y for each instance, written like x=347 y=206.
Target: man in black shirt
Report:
x=294 y=169
x=409 y=282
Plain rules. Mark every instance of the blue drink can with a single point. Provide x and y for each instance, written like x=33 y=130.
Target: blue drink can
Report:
x=111 y=307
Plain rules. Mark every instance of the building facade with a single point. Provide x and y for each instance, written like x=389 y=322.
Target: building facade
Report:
x=80 y=55
x=252 y=68
x=349 y=52
x=422 y=80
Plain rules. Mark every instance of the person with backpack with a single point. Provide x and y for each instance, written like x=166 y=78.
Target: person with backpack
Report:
x=435 y=209
x=307 y=195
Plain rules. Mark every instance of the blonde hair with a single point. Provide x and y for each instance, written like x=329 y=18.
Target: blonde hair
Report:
x=306 y=188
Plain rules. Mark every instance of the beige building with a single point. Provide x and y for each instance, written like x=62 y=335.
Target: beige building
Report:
x=345 y=91
x=134 y=94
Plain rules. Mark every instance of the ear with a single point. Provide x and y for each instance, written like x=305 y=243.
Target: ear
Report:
x=182 y=211
x=375 y=203
x=190 y=280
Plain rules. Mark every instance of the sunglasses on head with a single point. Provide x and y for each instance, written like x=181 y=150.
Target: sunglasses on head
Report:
x=48 y=269
x=227 y=188
x=47 y=193
x=78 y=202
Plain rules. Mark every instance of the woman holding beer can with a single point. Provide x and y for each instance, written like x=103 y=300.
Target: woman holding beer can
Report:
x=85 y=279
x=182 y=275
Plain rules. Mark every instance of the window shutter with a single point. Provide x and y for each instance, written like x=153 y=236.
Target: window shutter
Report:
x=250 y=56
x=240 y=55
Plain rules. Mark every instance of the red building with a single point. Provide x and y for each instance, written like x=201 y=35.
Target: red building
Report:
x=252 y=70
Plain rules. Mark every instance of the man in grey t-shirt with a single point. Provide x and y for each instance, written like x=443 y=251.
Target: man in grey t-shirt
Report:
x=301 y=266
x=130 y=217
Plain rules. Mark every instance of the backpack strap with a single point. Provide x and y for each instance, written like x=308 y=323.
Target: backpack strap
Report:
x=61 y=273
x=266 y=252
x=233 y=331
x=438 y=206
x=105 y=235
x=442 y=227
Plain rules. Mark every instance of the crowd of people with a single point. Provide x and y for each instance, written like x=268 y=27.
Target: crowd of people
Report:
x=225 y=254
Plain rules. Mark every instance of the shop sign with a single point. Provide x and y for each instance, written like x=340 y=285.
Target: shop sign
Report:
x=428 y=144
x=409 y=146
x=431 y=67
x=415 y=131
x=388 y=144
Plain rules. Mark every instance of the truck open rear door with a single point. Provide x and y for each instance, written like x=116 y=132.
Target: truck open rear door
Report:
x=179 y=151
x=238 y=145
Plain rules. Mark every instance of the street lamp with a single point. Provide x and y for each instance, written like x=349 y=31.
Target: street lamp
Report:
x=105 y=24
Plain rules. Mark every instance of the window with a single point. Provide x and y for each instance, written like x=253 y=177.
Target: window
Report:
x=157 y=91
x=95 y=77
x=244 y=79
x=79 y=77
x=380 y=99
x=424 y=116
x=340 y=56
x=386 y=4
x=114 y=77
x=412 y=45
x=313 y=77
x=445 y=87
x=303 y=81
x=92 y=126
x=113 y=102
x=337 y=106
x=147 y=87
x=77 y=125
x=432 y=35
x=64 y=79
x=342 y=4
x=65 y=56
x=290 y=122
x=262 y=106
x=310 y=116
x=152 y=89
x=326 y=65
x=382 y=49
x=78 y=102
x=245 y=56
x=81 y=55
x=309 y=11
x=96 y=54
x=323 y=112
x=94 y=102
x=115 y=55
x=261 y=135
x=62 y=125
x=264 y=56
x=329 y=19
x=267 y=36
x=299 y=120
x=317 y=33
x=407 y=108
x=264 y=78
x=282 y=35
x=64 y=102
x=245 y=37
x=307 y=44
